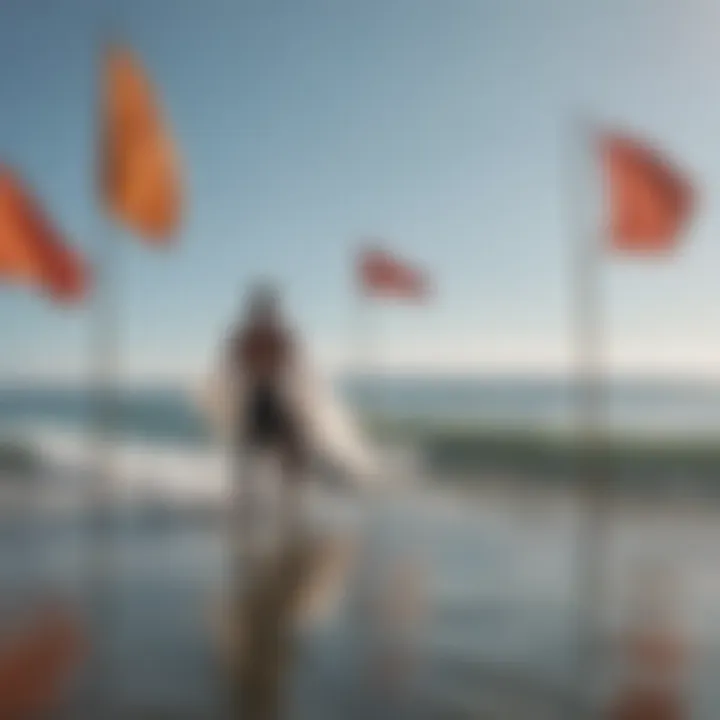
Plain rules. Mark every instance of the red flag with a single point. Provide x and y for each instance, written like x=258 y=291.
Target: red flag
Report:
x=649 y=200
x=383 y=275
x=36 y=667
x=32 y=250
x=139 y=166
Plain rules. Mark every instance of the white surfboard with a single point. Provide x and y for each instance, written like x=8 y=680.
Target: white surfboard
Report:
x=329 y=426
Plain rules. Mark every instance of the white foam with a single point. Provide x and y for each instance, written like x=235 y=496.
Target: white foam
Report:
x=138 y=468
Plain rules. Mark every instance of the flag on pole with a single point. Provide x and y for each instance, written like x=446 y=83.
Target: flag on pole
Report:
x=140 y=188
x=32 y=250
x=649 y=199
x=140 y=176
x=381 y=274
x=648 y=204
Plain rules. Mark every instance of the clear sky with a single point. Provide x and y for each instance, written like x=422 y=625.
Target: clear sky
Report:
x=443 y=126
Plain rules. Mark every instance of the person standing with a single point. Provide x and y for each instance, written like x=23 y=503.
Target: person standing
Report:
x=262 y=356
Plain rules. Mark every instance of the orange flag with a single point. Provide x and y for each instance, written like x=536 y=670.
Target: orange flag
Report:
x=384 y=275
x=32 y=250
x=650 y=201
x=140 y=178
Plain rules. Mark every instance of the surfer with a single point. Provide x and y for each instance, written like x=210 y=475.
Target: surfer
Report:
x=262 y=353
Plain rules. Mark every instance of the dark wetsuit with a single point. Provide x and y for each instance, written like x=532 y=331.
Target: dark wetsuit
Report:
x=262 y=354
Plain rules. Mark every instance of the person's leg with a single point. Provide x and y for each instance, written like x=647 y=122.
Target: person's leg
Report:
x=244 y=490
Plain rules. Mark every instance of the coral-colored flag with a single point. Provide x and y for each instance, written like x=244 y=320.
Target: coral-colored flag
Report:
x=37 y=665
x=32 y=250
x=384 y=275
x=140 y=177
x=649 y=200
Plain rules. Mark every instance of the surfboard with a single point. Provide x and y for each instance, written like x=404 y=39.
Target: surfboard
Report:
x=331 y=429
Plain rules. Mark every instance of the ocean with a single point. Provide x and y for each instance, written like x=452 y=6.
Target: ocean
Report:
x=664 y=433
x=498 y=567
x=169 y=414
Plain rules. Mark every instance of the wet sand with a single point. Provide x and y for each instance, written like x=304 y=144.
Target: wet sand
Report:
x=500 y=632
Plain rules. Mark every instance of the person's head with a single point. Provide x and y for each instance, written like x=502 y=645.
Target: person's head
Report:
x=263 y=305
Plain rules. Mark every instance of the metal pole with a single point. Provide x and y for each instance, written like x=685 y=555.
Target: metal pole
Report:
x=589 y=395
x=104 y=411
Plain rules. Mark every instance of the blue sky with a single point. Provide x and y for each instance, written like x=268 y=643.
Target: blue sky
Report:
x=444 y=126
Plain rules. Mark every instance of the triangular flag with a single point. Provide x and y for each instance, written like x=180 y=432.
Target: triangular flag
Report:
x=32 y=250
x=649 y=200
x=381 y=274
x=140 y=174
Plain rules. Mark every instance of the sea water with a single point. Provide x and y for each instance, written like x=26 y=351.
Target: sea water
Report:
x=499 y=569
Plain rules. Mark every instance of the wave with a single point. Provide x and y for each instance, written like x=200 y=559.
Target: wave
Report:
x=138 y=469
x=430 y=452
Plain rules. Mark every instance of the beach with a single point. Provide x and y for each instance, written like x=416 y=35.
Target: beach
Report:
x=500 y=627
x=497 y=545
